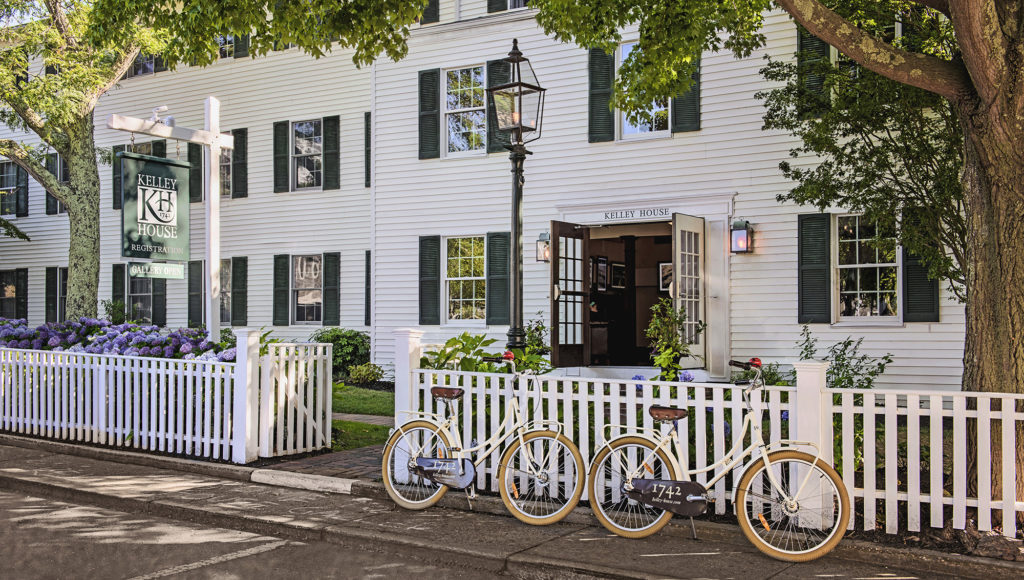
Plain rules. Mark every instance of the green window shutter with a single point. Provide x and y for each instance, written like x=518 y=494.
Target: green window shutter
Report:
x=117 y=283
x=195 y=173
x=51 y=295
x=430 y=114
x=332 y=153
x=920 y=293
x=811 y=52
x=21 y=293
x=51 y=202
x=159 y=302
x=160 y=148
x=431 y=13
x=601 y=121
x=814 y=285
x=686 y=108
x=242 y=46
x=282 y=285
x=497 y=5
x=240 y=164
x=498 y=72
x=332 y=289
x=367 y=289
x=281 y=157
x=499 y=256
x=430 y=280
x=116 y=175
x=51 y=69
x=239 y=291
x=367 y=143
x=195 y=294
x=21 y=195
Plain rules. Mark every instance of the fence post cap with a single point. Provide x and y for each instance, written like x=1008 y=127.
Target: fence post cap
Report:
x=811 y=365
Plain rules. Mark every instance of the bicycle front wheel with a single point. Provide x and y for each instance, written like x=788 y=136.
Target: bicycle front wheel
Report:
x=541 y=477
x=619 y=463
x=409 y=442
x=800 y=520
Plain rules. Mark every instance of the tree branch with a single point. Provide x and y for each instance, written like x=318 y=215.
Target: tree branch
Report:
x=923 y=71
x=60 y=20
x=981 y=44
x=20 y=156
x=937 y=5
x=120 y=69
x=32 y=119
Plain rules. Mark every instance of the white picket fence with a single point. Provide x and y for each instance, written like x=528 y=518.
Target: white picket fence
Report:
x=255 y=407
x=911 y=460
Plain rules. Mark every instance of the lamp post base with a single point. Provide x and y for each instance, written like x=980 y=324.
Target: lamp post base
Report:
x=516 y=338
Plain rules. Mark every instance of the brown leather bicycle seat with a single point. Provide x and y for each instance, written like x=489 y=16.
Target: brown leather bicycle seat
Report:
x=659 y=413
x=446 y=392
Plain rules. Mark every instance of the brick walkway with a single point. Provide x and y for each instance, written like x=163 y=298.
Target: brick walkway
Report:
x=363 y=463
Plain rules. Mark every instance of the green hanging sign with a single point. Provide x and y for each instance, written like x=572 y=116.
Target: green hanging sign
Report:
x=154 y=208
x=165 y=270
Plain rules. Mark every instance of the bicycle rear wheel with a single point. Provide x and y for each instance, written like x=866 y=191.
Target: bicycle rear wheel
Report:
x=807 y=526
x=409 y=442
x=541 y=480
x=620 y=462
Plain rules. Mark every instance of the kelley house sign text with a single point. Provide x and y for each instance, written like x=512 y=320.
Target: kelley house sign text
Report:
x=155 y=208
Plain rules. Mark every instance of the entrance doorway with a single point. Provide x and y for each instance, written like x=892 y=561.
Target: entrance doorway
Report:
x=606 y=279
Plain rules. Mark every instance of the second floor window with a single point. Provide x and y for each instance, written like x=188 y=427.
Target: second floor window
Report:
x=8 y=188
x=655 y=121
x=307 y=154
x=145 y=64
x=465 y=119
x=227 y=46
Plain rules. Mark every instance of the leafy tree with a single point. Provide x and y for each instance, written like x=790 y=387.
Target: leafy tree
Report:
x=975 y=68
x=88 y=46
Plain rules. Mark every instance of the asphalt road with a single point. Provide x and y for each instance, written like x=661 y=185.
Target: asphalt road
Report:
x=42 y=538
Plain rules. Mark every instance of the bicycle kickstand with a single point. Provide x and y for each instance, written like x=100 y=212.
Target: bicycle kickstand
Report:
x=470 y=496
x=693 y=528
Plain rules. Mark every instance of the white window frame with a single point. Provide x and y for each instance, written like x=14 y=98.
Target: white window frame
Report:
x=620 y=115
x=142 y=58
x=14 y=282
x=225 y=290
x=62 y=294
x=446 y=294
x=293 y=157
x=226 y=191
x=9 y=196
x=293 y=291
x=128 y=298
x=511 y=7
x=62 y=166
x=224 y=41
x=840 y=321
x=445 y=111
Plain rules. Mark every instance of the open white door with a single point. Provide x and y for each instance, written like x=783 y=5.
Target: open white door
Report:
x=688 y=243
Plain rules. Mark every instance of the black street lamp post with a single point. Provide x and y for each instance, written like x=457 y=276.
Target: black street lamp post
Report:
x=519 y=108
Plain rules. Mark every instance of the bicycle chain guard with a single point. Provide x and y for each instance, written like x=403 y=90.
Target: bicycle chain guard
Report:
x=446 y=471
x=670 y=495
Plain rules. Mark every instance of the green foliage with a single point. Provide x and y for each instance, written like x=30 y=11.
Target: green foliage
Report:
x=115 y=311
x=266 y=340
x=351 y=347
x=878 y=147
x=365 y=373
x=537 y=337
x=463 y=352
x=848 y=367
x=228 y=339
x=352 y=399
x=771 y=374
x=667 y=333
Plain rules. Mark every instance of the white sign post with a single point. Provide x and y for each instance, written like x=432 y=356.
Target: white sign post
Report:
x=213 y=142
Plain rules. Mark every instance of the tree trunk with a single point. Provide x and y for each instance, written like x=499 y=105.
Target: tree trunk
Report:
x=84 y=222
x=993 y=180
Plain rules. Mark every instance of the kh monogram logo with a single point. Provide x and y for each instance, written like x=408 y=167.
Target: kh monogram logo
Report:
x=158 y=206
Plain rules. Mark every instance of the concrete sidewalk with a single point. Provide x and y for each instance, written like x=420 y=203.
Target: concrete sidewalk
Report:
x=481 y=541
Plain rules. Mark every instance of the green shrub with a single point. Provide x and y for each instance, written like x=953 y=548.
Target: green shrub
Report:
x=364 y=374
x=848 y=368
x=463 y=352
x=771 y=374
x=351 y=347
x=668 y=338
x=115 y=311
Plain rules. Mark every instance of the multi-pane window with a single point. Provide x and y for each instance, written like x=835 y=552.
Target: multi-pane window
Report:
x=64 y=175
x=8 y=188
x=465 y=117
x=225 y=171
x=868 y=270
x=465 y=282
x=145 y=64
x=227 y=46
x=656 y=118
x=62 y=294
x=140 y=299
x=307 y=153
x=8 y=294
x=141 y=148
x=225 y=292
x=513 y=4
x=307 y=289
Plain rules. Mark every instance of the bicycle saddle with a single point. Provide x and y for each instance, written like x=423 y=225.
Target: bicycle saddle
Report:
x=450 y=393
x=659 y=413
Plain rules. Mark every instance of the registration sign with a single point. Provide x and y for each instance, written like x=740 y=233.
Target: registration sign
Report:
x=154 y=208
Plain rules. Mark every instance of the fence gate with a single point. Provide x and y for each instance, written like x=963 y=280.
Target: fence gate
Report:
x=295 y=399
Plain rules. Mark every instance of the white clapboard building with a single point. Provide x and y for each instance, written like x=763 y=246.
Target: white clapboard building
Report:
x=376 y=199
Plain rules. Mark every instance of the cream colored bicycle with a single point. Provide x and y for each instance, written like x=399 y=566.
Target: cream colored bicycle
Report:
x=541 y=472
x=790 y=504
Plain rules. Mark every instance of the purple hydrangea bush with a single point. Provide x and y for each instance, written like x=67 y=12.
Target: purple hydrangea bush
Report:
x=90 y=335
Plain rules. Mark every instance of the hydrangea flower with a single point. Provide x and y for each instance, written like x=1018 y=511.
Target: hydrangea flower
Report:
x=686 y=377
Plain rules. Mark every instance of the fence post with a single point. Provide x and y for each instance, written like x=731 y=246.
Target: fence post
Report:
x=407 y=358
x=246 y=396
x=813 y=407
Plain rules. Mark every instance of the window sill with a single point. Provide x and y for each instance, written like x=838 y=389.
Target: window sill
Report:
x=465 y=154
x=300 y=191
x=868 y=324
x=645 y=137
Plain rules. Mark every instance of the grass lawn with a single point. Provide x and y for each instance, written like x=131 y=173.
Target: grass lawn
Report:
x=351 y=435
x=349 y=399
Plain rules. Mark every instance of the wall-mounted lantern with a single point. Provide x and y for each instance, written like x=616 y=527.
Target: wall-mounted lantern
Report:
x=742 y=237
x=544 y=247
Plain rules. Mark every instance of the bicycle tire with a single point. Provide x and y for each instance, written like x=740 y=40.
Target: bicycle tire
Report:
x=603 y=507
x=807 y=544
x=516 y=497
x=423 y=495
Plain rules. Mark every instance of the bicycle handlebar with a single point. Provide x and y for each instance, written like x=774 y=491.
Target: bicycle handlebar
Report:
x=740 y=365
x=493 y=359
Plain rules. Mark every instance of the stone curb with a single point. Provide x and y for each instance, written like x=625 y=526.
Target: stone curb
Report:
x=854 y=550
